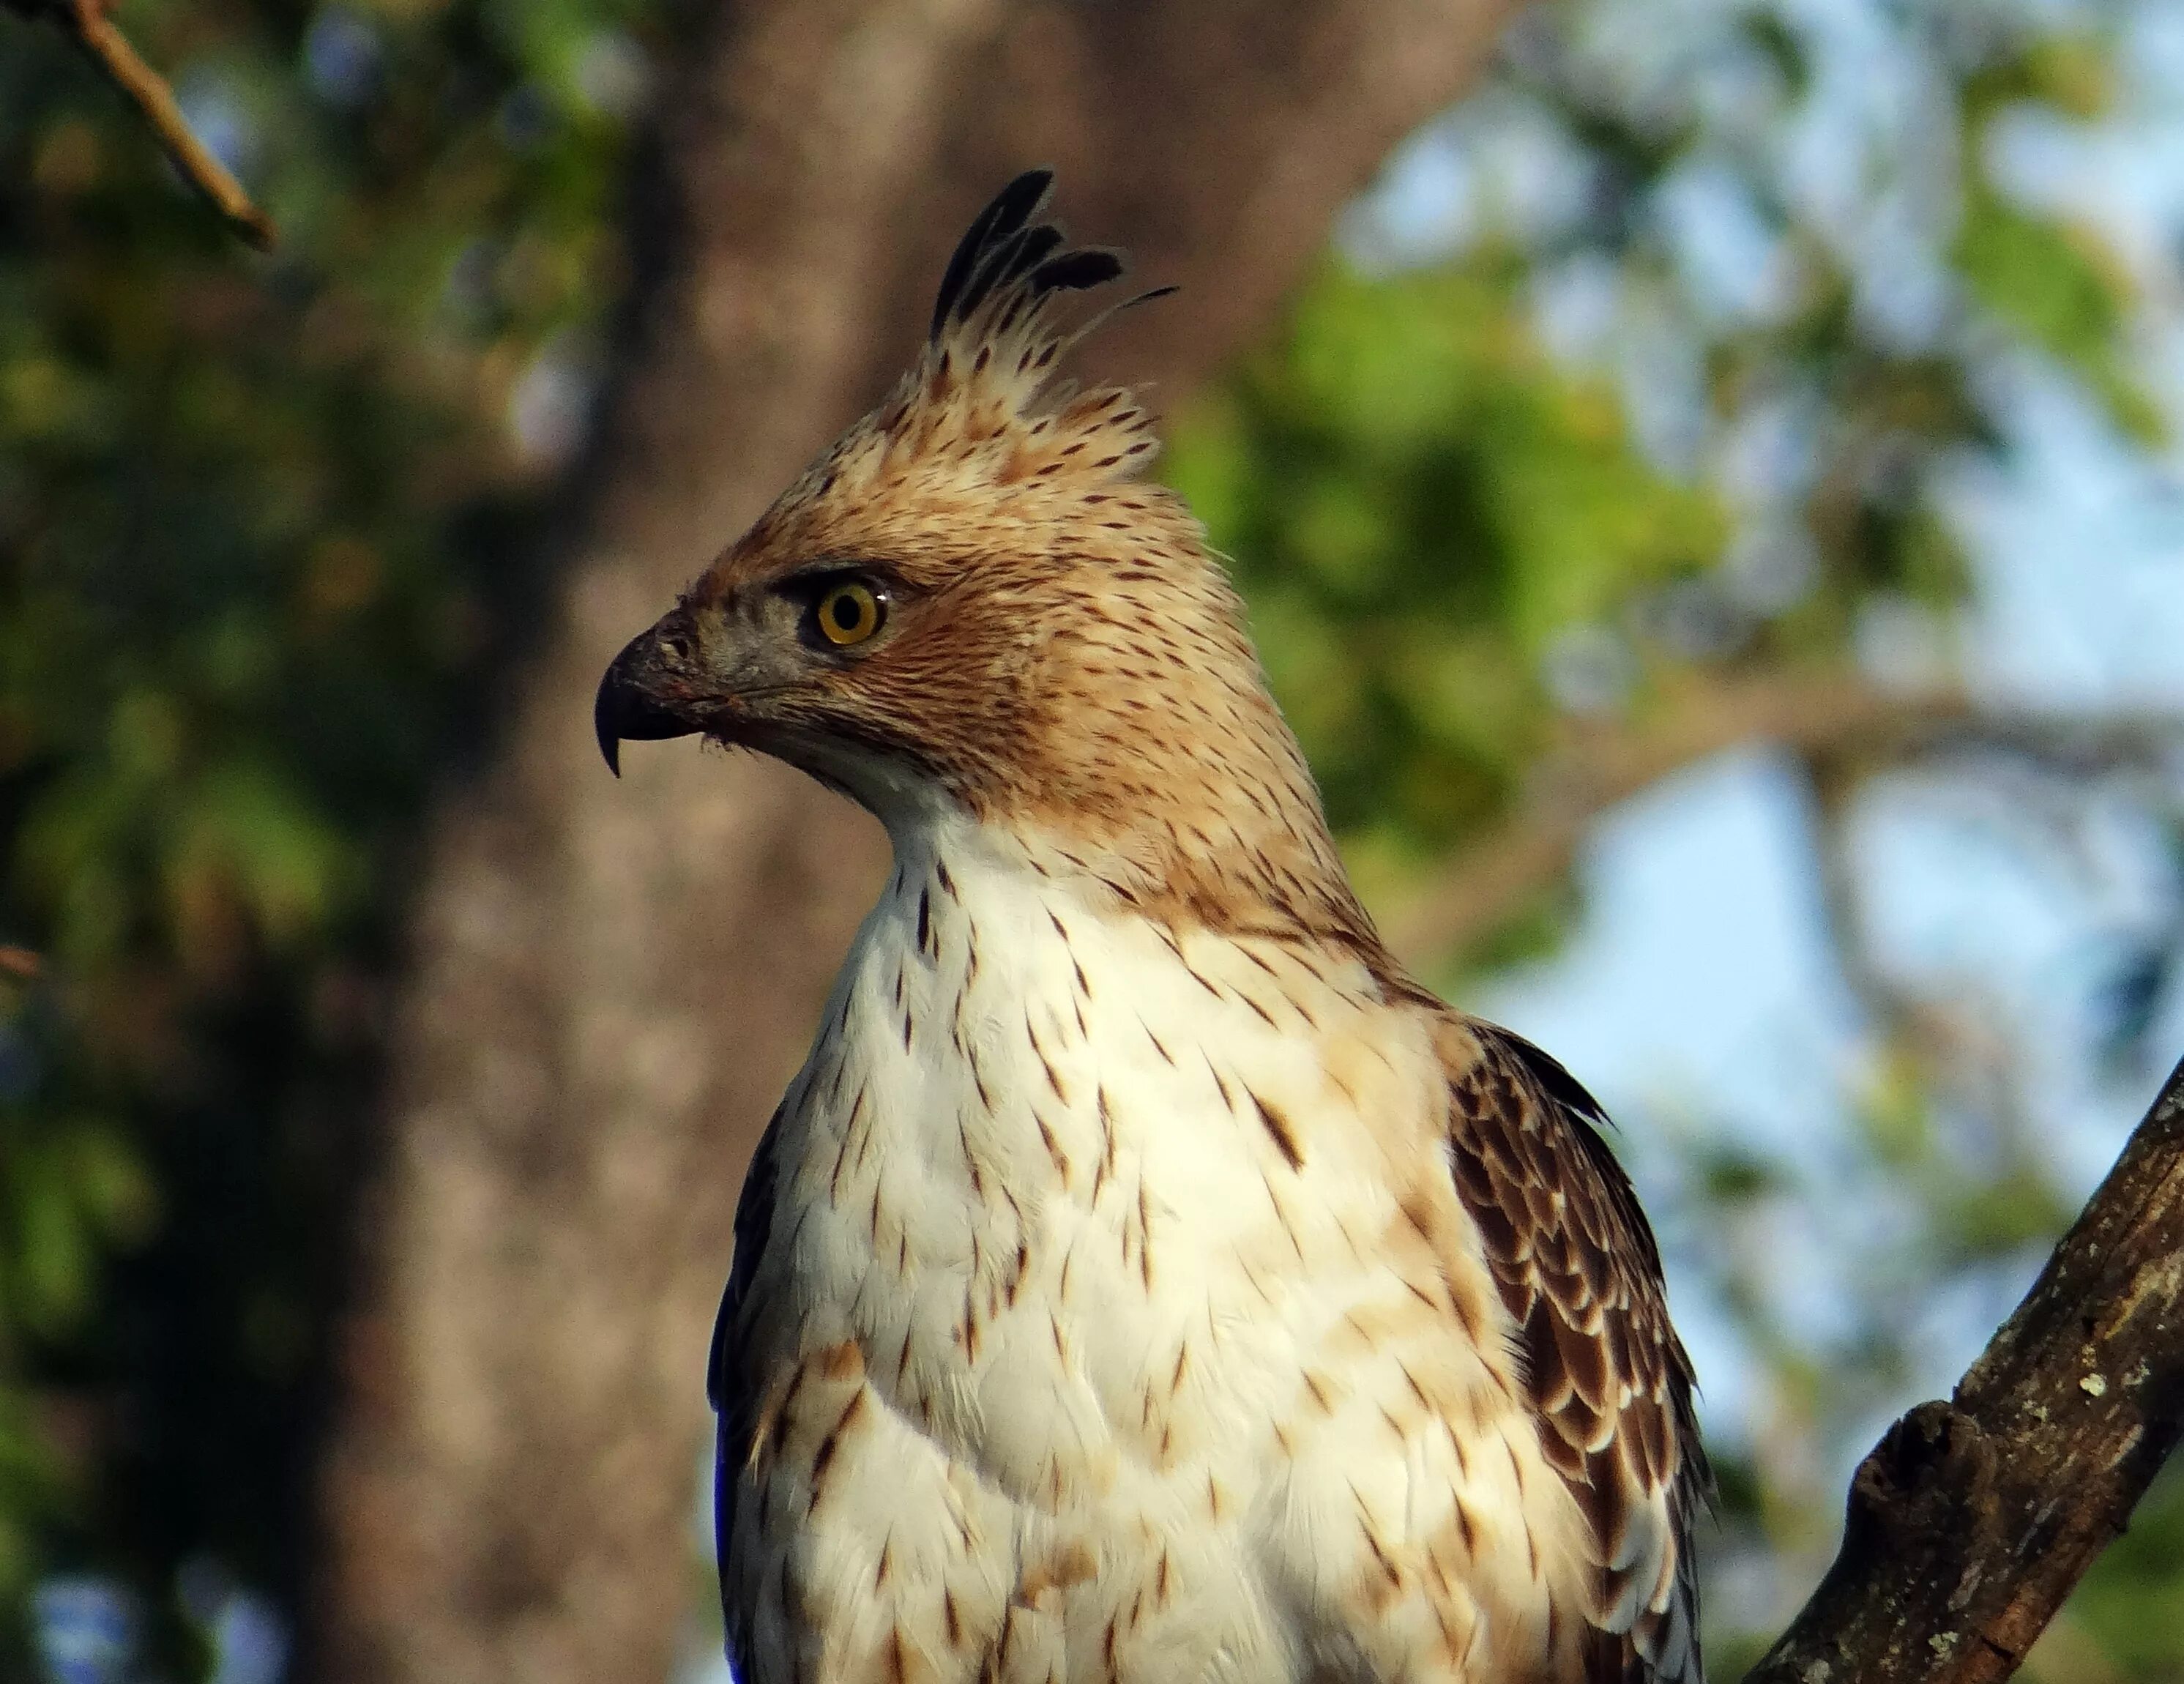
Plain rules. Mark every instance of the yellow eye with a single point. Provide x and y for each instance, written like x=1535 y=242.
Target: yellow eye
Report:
x=849 y=613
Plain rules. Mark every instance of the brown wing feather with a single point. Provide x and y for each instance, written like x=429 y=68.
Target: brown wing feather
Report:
x=1581 y=1276
x=730 y=1386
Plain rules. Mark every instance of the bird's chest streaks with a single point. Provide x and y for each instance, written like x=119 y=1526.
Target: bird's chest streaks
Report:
x=1026 y=1179
x=1091 y=1270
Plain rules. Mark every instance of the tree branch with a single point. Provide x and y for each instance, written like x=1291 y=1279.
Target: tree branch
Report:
x=1972 y=1520
x=147 y=90
x=1830 y=713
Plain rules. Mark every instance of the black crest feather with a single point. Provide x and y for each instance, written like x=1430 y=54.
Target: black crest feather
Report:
x=1011 y=208
x=1007 y=246
x=1077 y=271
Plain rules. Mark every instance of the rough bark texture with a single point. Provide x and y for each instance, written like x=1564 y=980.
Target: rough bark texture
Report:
x=611 y=982
x=1971 y=1520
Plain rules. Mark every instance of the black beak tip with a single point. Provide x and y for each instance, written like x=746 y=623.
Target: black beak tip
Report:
x=603 y=723
x=626 y=709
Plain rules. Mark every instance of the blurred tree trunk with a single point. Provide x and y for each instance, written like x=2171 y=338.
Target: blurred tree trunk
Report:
x=610 y=983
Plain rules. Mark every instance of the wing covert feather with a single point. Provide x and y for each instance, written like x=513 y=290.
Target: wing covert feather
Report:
x=1580 y=1275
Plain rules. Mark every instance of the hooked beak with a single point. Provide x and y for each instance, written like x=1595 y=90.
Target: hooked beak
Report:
x=637 y=698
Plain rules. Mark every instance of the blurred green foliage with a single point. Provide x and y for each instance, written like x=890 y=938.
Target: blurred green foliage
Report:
x=1418 y=502
x=267 y=524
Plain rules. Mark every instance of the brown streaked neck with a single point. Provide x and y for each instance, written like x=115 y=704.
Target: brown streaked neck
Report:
x=1226 y=837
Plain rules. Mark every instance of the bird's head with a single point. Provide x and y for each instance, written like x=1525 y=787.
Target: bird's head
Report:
x=973 y=603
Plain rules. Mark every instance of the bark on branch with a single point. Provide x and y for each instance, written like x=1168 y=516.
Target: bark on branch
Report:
x=1972 y=1520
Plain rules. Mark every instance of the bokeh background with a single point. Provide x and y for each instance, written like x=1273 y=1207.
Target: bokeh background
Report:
x=1706 y=474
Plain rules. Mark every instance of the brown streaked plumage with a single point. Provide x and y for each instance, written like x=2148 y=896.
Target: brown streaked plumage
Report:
x=1145 y=1279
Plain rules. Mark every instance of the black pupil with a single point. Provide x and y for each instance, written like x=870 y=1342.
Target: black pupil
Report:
x=849 y=612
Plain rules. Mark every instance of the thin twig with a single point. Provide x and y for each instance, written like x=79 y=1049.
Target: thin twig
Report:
x=147 y=90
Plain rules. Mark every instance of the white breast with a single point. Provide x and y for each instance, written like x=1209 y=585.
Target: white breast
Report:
x=1116 y=1321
